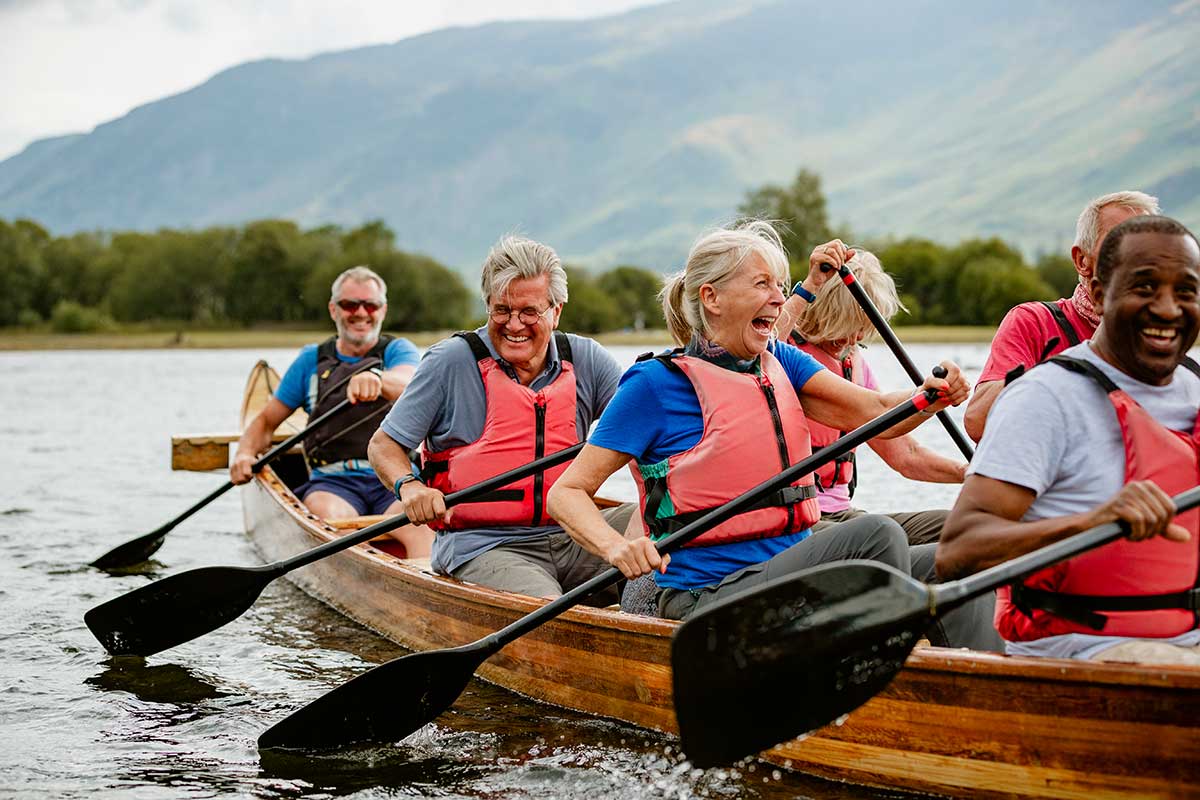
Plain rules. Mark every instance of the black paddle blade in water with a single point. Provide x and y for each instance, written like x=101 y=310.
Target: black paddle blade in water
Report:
x=135 y=551
x=791 y=656
x=176 y=609
x=382 y=705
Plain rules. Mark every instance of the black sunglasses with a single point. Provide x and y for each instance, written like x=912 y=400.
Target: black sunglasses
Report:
x=350 y=306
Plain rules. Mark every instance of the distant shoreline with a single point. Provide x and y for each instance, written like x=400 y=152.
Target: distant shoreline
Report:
x=11 y=340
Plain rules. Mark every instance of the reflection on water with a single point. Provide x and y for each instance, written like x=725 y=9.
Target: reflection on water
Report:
x=163 y=683
x=84 y=471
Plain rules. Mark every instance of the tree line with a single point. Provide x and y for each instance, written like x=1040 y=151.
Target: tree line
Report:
x=268 y=271
x=272 y=271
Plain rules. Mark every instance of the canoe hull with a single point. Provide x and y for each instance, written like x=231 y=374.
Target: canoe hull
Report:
x=953 y=722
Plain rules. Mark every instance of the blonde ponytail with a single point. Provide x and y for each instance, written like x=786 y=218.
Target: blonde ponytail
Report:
x=674 y=310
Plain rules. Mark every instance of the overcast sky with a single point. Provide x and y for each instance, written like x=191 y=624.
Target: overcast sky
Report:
x=68 y=65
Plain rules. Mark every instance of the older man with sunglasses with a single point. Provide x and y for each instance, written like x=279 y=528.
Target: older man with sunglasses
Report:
x=485 y=401
x=359 y=364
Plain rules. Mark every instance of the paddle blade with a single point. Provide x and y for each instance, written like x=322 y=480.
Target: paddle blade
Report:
x=382 y=705
x=176 y=609
x=758 y=669
x=135 y=551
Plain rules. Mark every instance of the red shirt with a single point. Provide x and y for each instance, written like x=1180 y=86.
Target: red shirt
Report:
x=1023 y=334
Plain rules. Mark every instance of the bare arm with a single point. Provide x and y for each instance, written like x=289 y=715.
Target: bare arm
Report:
x=838 y=403
x=977 y=409
x=255 y=439
x=570 y=503
x=982 y=529
x=367 y=386
x=390 y=461
x=917 y=462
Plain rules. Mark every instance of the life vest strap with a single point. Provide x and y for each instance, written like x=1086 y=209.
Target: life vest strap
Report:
x=1063 y=323
x=480 y=351
x=431 y=468
x=1084 y=608
x=1086 y=368
x=787 y=496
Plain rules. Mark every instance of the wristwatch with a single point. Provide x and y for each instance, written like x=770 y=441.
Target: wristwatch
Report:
x=401 y=481
x=805 y=293
x=377 y=372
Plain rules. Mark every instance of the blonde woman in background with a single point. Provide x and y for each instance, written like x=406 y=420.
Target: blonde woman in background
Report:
x=831 y=329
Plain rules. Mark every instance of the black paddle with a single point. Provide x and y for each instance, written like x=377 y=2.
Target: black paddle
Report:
x=764 y=667
x=395 y=699
x=181 y=607
x=138 y=550
x=893 y=343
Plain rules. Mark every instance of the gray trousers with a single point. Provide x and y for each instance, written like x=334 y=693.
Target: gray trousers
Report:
x=546 y=566
x=921 y=527
x=872 y=537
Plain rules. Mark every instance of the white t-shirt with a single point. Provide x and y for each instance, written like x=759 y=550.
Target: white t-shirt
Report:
x=1055 y=432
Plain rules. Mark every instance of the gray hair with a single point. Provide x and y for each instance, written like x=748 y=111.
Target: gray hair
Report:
x=359 y=274
x=714 y=258
x=515 y=257
x=1087 y=229
x=836 y=316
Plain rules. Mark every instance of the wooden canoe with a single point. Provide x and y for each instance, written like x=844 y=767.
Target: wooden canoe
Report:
x=954 y=722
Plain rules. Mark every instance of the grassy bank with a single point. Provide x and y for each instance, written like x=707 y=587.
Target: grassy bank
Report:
x=261 y=339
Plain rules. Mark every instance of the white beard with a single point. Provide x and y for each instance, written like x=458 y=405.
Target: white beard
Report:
x=352 y=338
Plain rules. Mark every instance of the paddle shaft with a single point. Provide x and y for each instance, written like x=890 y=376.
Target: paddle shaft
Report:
x=454 y=498
x=893 y=343
x=141 y=548
x=267 y=458
x=743 y=502
x=948 y=596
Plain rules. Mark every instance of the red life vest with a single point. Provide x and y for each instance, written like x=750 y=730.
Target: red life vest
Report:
x=745 y=419
x=520 y=425
x=1143 y=587
x=843 y=469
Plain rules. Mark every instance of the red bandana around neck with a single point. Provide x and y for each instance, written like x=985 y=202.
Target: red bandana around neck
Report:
x=1082 y=301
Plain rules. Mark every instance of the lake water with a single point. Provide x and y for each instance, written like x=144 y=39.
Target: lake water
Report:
x=84 y=466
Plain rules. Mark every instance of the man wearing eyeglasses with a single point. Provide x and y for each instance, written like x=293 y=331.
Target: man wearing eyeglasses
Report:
x=359 y=364
x=486 y=401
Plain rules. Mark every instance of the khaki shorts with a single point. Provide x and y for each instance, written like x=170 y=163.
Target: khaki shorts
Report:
x=546 y=566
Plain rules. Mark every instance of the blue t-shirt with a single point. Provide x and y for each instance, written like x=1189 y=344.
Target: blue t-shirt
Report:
x=298 y=387
x=656 y=414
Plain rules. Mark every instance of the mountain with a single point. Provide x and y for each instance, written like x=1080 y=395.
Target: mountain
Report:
x=619 y=139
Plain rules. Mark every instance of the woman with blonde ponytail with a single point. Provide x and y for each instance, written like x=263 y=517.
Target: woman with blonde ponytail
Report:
x=723 y=413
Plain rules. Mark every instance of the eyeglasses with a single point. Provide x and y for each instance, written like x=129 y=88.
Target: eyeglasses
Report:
x=526 y=316
x=350 y=306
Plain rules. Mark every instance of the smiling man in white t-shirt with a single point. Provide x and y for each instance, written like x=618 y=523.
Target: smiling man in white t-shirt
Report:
x=1108 y=433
